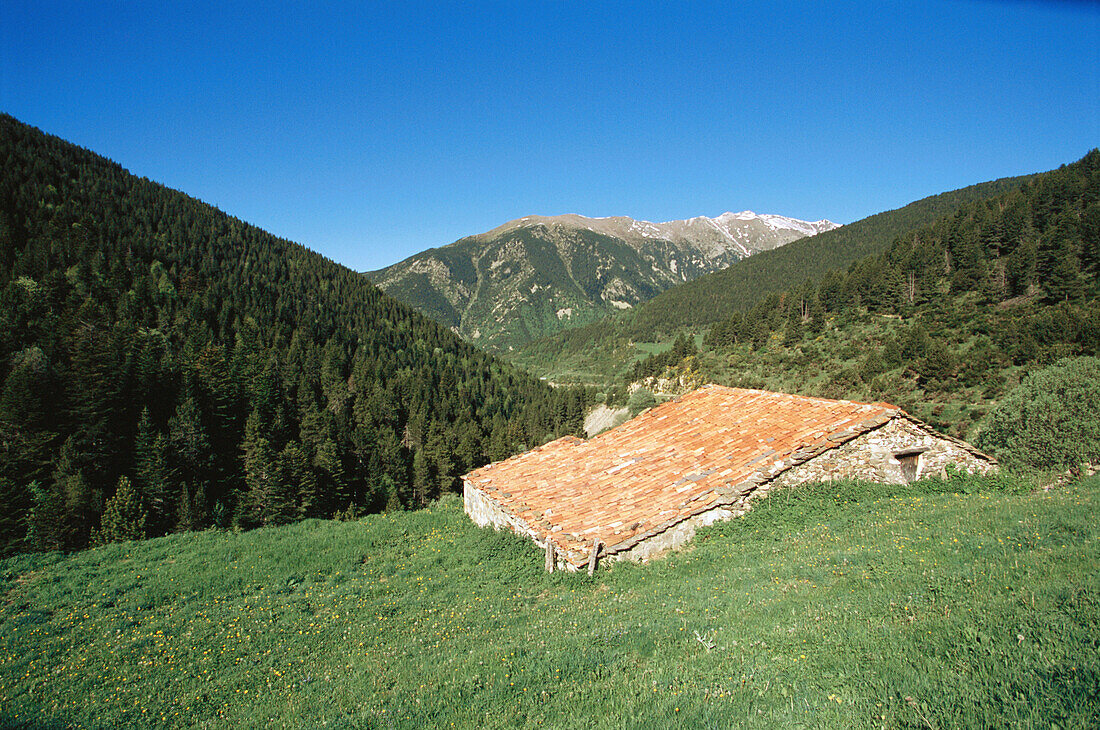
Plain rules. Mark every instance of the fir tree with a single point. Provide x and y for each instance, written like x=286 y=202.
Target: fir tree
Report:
x=123 y=516
x=332 y=487
x=1064 y=282
x=421 y=479
x=298 y=484
x=259 y=473
x=152 y=477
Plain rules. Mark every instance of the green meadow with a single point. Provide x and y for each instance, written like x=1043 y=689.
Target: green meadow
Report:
x=963 y=602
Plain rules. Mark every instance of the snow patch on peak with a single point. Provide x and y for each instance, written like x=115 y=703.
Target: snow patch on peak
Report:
x=742 y=233
x=779 y=222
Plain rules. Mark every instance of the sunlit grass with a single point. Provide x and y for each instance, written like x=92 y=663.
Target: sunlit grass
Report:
x=837 y=606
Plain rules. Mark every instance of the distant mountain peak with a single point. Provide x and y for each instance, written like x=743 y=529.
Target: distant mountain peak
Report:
x=538 y=274
x=730 y=227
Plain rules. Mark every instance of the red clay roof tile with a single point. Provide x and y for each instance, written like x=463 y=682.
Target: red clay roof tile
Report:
x=681 y=458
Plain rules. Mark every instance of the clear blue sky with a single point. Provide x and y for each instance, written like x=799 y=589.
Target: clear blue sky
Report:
x=370 y=131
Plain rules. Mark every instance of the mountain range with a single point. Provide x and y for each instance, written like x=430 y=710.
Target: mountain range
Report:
x=592 y=352
x=537 y=275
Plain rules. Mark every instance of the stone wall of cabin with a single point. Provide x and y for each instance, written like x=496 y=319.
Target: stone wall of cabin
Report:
x=678 y=535
x=485 y=511
x=871 y=456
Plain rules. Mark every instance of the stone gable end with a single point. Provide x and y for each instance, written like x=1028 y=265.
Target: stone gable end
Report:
x=873 y=456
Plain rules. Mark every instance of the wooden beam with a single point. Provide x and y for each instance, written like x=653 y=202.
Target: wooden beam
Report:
x=593 y=555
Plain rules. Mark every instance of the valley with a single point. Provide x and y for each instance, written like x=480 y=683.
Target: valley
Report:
x=230 y=489
x=392 y=366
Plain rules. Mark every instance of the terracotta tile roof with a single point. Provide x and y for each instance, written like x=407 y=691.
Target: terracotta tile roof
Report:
x=686 y=456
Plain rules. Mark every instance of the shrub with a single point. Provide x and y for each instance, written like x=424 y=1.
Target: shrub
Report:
x=640 y=400
x=1051 y=420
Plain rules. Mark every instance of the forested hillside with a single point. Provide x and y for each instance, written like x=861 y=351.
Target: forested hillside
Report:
x=705 y=300
x=700 y=303
x=167 y=367
x=943 y=322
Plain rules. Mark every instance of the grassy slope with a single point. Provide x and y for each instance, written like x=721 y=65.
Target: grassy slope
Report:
x=836 y=606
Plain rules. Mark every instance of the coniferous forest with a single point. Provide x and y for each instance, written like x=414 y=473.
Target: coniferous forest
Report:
x=1026 y=262
x=167 y=367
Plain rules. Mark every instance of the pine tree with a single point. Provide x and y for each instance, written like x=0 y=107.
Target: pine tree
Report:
x=191 y=511
x=190 y=449
x=186 y=519
x=13 y=527
x=440 y=453
x=332 y=487
x=94 y=391
x=259 y=473
x=218 y=396
x=1090 y=237
x=500 y=446
x=817 y=314
x=792 y=333
x=421 y=479
x=388 y=487
x=22 y=399
x=395 y=460
x=917 y=342
x=1064 y=282
x=152 y=476
x=299 y=484
x=123 y=517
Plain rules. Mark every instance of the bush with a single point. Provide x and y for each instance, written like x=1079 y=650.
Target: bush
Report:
x=1051 y=421
x=640 y=400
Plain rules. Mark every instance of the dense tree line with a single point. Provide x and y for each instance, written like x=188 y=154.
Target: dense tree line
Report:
x=1018 y=275
x=704 y=301
x=167 y=367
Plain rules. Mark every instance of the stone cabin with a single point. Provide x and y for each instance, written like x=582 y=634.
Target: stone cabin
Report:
x=644 y=487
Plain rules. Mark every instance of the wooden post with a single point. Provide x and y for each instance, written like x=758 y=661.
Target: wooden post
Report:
x=551 y=558
x=592 y=556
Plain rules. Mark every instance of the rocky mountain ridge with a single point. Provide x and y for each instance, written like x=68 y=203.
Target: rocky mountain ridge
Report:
x=536 y=275
x=745 y=233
